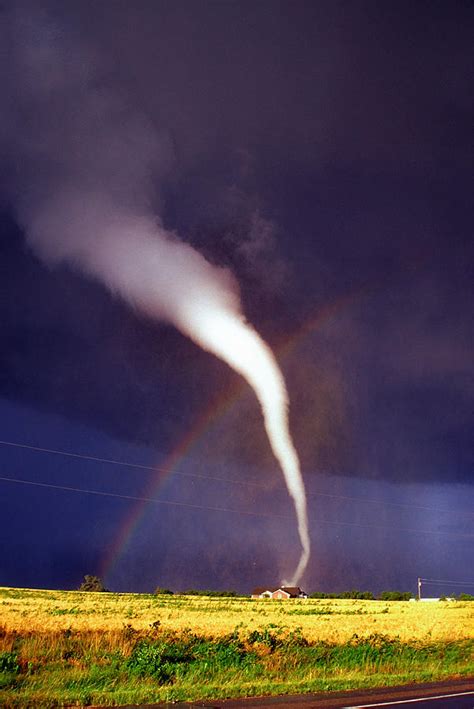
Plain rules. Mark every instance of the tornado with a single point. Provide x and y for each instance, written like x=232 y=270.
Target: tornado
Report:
x=228 y=336
x=83 y=192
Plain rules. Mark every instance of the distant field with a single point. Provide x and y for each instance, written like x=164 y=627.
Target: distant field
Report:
x=329 y=620
x=63 y=648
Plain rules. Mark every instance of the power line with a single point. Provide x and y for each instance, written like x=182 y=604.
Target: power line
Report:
x=458 y=535
x=387 y=502
x=126 y=464
x=444 y=581
x=140 y=499
x=93 y=458
x=223 y=509
x=154 y=468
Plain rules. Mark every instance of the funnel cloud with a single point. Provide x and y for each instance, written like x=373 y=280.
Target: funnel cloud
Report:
x=83 y=170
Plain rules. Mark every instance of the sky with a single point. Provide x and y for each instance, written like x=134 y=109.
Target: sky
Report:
x=321 y=153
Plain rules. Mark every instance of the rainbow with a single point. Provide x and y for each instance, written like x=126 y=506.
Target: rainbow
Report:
x=213 y=413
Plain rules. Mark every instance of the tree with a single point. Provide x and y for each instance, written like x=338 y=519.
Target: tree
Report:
x=360 y=595
x=92 y=583
x=395 y=596
x=163 y=591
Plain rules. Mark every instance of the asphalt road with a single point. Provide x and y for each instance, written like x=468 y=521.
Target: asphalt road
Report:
x=456 y=694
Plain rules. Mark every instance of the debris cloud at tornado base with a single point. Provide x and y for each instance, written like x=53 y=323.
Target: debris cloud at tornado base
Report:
x=83 y=191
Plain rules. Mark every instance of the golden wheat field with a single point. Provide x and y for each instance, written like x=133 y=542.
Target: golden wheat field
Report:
x=28 y=610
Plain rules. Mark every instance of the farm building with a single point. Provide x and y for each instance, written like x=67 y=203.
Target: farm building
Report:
x=278 y=592
x=428 y=600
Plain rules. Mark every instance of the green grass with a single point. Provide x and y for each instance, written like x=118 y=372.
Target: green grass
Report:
x=96 y=667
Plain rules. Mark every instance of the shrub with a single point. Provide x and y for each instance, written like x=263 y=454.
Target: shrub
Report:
x=92 y=583
x=268 y=636
x=163 y=591
x=157 y=660
x=9 y=662
x=395 y=596
x=222 y=654
x=361 y=595
x=216 y=594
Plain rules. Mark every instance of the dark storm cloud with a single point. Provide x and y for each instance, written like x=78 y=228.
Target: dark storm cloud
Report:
x=312 y=147
x=329 y=80
x=68 y=347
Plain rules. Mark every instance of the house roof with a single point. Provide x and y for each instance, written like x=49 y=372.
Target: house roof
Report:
x=291 y=590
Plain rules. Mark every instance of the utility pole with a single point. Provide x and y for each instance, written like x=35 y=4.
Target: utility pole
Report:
x=419 y=588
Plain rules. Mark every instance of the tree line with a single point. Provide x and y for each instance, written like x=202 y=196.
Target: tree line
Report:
x=94 y=583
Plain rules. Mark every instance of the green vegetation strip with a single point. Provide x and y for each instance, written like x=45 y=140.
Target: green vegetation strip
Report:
x=128 y=666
